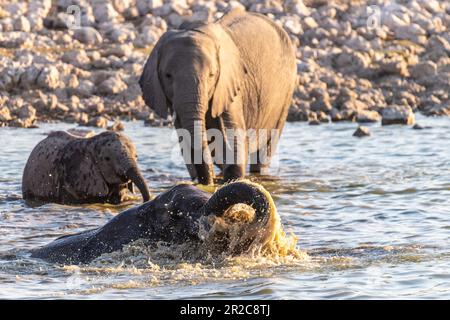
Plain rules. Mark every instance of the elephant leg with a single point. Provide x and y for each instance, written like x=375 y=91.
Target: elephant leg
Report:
x=190 y=166
x=235 y=146
x=263 y=155
x=259 y=168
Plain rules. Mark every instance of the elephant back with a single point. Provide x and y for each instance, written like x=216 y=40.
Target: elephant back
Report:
x=40 y=179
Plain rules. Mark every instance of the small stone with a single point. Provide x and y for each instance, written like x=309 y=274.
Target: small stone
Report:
x=5 y=115
x=361 y=132
x=22 y=24
x=104 y=11
x=121 y=34
x=313 y=120
x=412 y=32
x=112 y=85
x=363 y=116
x=48 y=78
x=418 y=127
x=395 y=114
x=309 y=23
x=424 y=70
x=26 y=117
x=98 y=122
x=117 y=126
x=145 y=6
x=119 y=51
x=394 y=66
x=29 y=77
x=88 y=35
x=84 y=89
x=78 y=58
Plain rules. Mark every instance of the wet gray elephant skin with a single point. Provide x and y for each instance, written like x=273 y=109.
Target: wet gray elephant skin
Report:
x=67 y=169
x=172 y=217
x=237 y=73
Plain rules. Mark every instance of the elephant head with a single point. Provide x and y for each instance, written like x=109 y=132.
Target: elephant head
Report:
x=116 y=159
x=192 y=72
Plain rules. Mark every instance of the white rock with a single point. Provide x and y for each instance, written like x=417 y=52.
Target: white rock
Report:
x=433 y=6
x=234 y=5
x=361 y=131
x=147 y=37
x=394 y=15
x=78 y=58
x=87 y=16
x=122 y=5
x=48 y=78
x=424 y=70
x=122 y=33
x=395 y=114
x=145 y=6
x=309 y=23
x=119 y=51
x=163 y=10
x=363 y=116
x=16 y=9
x=5 y=115
x=293 y=26
x=22 y=24
x=39 y=7
x=412 y=32
x=175 y=19
x=296 y=7
x=104 y=12
x=88 y=35
x=15 y=39
x=29 y=77
x=84 y=89
x=112 y=85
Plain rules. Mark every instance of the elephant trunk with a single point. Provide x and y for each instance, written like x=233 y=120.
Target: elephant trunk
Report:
x=191 y=109
x=239 y=192
x=136 y=177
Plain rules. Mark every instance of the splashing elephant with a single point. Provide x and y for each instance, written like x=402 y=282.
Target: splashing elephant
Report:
x=234 y=75
x=69 y=169
x=176 y=216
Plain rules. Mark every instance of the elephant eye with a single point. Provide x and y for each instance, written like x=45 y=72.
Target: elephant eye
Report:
x=211 y=74
x=168 y=75
x=107 y=158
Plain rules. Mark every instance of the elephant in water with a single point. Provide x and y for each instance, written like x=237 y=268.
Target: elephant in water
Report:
x=69 y=169
x=235 y=77
x=175 y=217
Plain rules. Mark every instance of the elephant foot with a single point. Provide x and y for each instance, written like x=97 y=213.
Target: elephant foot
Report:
x=233 y=172
x=259 y=168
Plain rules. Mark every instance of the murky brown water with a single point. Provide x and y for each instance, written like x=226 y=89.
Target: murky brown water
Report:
x=373 y=215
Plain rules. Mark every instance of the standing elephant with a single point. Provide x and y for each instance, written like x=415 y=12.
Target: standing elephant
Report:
x=68 y=169
x=173 y=217
x=238 y=73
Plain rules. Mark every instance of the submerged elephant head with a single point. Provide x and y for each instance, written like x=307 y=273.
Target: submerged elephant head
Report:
x=191 y=72
x=116 y=158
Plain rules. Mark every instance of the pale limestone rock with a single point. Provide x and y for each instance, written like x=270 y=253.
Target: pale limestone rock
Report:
x=397 y=115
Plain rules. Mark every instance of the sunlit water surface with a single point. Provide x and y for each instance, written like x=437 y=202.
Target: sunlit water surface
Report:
x=373 y=215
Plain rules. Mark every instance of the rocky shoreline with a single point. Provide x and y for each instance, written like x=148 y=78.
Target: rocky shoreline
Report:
x=354 y=64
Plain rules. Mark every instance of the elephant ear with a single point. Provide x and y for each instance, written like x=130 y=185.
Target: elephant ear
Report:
x=81 y=176
x=152 y=91
x=231 y=71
